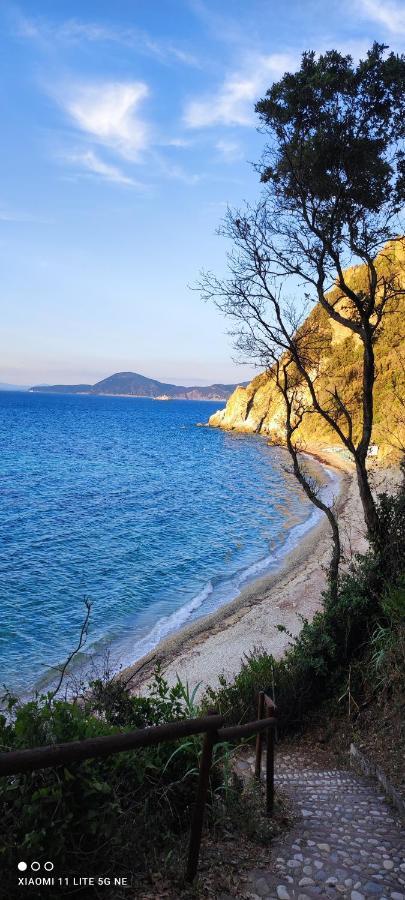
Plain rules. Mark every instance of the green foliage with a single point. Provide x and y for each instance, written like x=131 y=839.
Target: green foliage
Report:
x=338 y=125
x=115 y=704
x=244 y=811
x=105 y=816
x=364 y=628
x=389 y=543
x=388 y=639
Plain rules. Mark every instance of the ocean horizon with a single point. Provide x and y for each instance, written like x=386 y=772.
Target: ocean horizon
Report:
x=128 y=503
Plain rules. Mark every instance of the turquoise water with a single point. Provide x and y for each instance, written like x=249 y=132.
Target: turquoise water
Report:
x=127 y=502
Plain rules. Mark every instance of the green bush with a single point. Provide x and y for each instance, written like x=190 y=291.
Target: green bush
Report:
x=99 y=817
x=388 y=640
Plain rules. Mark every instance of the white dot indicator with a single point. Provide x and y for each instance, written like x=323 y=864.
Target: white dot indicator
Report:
x=22 y=866
x=35 y=866
x=48 y=866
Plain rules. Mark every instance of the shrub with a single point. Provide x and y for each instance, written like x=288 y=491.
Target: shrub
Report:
x=388 y=640
x=98 y=817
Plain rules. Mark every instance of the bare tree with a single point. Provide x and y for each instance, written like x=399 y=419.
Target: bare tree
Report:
x=287 y=344
x=64 y=668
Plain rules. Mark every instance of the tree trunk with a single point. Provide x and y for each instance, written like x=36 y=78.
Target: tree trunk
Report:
x=360 y=456
x=368 y=391
x=367 y=499
x=313 y=496
x=335 y=558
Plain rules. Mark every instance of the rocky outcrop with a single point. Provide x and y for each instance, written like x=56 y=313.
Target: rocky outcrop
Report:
x=259 y=407
x=255 y=409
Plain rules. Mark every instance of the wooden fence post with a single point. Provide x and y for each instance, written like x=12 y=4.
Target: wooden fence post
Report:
x=259 y=737
x=197 y=820
x=270 y=771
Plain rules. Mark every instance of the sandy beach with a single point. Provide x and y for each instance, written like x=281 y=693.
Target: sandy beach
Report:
x=216 y=644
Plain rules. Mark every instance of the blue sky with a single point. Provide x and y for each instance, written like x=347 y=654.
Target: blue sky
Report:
x=127 y=128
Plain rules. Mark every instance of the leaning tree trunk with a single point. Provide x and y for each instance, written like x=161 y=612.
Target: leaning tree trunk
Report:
x=316 y=500
x=367 y=499
x=366 y=496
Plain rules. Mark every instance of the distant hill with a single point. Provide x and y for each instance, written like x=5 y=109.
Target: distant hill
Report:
x=131 y=384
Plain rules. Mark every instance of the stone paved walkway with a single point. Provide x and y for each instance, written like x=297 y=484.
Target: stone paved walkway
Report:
x=346 y=842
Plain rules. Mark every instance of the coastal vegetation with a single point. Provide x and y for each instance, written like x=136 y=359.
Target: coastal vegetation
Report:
x=128 y=813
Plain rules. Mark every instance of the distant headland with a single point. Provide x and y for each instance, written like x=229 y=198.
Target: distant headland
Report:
x=131 y=384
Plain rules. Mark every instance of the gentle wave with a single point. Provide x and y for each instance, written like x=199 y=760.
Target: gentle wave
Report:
x=167 y=625
x=230 y=587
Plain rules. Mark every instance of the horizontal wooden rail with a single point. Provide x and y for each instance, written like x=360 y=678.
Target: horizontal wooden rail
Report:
x=248 y=730
x=17 y=761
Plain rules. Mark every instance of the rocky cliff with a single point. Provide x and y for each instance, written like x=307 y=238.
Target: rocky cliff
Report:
x=259 y=407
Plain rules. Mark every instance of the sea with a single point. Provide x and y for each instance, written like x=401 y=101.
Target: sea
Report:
x=137 y=506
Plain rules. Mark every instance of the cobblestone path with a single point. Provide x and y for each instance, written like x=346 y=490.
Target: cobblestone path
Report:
x=346 y=842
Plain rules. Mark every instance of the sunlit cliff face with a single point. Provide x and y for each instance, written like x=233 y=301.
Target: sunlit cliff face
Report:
x=259 y=407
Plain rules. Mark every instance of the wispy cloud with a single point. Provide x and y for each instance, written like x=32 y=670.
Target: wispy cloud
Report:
x=77 y=31
x=108 y=112
x=108 y=115
x=223 y=26
x=386 y=12
x=20 y=216
x=176 y=142
x=231 y=151
x=232 y=103
x=89 y=162
x=174 y=172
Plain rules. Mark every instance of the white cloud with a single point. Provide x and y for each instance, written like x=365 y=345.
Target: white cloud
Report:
x=389 y=14
x=109 y=113
x=90 y=162
x=233 y=103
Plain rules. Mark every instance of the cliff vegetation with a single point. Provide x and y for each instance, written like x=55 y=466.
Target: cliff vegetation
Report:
x=259 y=407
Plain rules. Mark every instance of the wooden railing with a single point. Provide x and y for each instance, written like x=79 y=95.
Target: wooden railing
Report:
x=18 y=761
x=268 y=705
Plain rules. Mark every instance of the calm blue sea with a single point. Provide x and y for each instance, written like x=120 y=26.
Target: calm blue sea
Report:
x=127 y=502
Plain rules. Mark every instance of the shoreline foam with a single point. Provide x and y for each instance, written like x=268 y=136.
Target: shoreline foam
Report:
x=234 y=585
x=197 y=649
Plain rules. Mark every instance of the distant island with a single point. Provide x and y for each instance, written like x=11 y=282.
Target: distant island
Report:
x=131 y=384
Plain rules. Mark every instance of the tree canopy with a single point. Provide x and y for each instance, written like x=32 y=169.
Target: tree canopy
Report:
x=337 y=135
